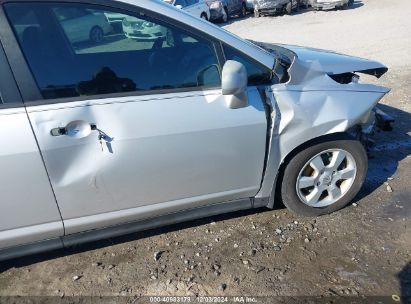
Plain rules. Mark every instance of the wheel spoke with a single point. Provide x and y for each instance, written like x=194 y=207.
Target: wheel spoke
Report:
x=317 y=164
x=326 y=177
x=337 y=158
x=314 y=196
x=347 y=173
x=306 y=181
x=335 y=192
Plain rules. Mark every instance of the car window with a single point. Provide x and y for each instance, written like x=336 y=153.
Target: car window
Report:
x=73 y=50
x=257 y=74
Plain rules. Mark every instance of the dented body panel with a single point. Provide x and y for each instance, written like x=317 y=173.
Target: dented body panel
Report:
x=311 y=104
x=167 y=153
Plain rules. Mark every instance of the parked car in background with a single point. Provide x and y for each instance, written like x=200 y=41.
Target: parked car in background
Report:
x=218 y=12
x=136 y=28
x=271 y=7
x=75 y=19
x=224 y=9
x=116 y=21
x=331 y=4
x=197 y=8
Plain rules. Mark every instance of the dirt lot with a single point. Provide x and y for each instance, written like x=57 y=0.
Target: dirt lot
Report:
x=364 y=249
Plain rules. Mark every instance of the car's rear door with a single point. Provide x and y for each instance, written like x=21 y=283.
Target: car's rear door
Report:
x=161 y=137
x=28 y=209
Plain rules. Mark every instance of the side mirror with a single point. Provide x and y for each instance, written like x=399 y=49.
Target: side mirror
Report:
x=179 y=6
x=234 y=84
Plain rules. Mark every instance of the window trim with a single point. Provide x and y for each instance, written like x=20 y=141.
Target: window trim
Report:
x=258 y=64
x=23 y=77
x=9 y=93
x=27 y=84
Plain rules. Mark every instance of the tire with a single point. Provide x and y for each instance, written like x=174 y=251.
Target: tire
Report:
x=243 y=11
x=204 y=16
x=297 y=8
x=226 y=12
x=96 y=34
x=296 y=176
x=224 y=17
x=305 y=4
x=289 y=7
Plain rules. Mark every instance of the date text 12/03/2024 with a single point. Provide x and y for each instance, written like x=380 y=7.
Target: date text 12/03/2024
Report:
x=235 y=299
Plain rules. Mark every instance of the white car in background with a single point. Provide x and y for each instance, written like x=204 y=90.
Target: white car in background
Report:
x=197 y=8
x=75 y=19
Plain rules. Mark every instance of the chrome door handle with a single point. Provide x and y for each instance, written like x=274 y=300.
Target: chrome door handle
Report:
x=75 y=129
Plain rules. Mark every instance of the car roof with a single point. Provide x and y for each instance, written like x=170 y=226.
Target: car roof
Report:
x=159 y=6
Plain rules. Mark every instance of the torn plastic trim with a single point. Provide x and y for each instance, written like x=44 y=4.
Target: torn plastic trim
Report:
x=377 y=72
x=334 y=63
x=312 y=75
x=384 y=121
x=365 y=132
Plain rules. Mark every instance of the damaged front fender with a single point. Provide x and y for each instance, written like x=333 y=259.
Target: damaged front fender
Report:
x=310 y=105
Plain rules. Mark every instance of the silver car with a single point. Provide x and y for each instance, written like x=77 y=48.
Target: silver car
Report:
x=271 y=7
x=222 y=10
x=331 y=4
x=127 y=135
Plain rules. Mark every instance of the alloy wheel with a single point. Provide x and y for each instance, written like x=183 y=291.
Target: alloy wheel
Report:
x=326 y=178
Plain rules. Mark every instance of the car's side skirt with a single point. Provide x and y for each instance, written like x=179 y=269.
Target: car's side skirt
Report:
x=127 y=228
x=151 y=223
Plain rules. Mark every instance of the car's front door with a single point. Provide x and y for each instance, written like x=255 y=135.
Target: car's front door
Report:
x=28 y=209
x=131 y=129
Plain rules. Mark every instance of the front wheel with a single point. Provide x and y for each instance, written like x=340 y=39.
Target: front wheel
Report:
x=324 y=178
x=204 y=16
x=224 y=17
x=243 y=11
x=96 y=34
x=289 y=7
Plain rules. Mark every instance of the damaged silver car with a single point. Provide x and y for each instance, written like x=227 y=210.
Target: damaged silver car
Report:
x=271 y=7
x=100 y=140
x=331 y=4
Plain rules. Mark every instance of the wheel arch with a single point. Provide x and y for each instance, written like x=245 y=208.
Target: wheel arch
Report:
x=275 y=196
x=205 y=14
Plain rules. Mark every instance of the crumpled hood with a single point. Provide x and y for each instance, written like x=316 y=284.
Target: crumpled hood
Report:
x=335 y=63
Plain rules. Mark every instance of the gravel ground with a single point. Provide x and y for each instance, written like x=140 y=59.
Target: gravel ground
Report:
x=364 y=249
